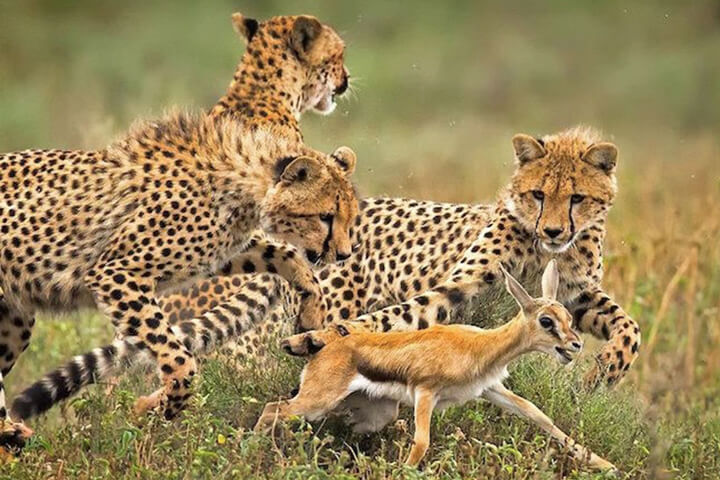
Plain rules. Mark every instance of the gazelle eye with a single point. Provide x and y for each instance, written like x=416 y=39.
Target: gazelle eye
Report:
x=538 y=194
x=577 y=198
x=546 y=322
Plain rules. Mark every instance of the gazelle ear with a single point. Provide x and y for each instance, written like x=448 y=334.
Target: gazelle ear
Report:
x=246 y=27
x=550 y=280
x=517 y=291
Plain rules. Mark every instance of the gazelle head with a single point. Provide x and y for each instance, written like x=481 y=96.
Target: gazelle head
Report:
x=549 y=322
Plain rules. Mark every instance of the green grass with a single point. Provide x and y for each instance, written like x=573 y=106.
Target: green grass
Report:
x=441 y=90
x=98 y=435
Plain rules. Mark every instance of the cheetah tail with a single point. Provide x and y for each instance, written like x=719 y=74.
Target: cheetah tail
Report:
x=67 y=380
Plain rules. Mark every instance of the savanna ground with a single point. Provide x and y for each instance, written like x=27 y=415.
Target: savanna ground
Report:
x=441 y=88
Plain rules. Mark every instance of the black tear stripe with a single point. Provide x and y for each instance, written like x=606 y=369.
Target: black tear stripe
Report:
x=328 y=237
x=537 y=222
x=572 y=222
x=326 y=243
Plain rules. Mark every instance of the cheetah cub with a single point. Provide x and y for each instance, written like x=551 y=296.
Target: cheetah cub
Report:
x=369 y=374
x=173 y=201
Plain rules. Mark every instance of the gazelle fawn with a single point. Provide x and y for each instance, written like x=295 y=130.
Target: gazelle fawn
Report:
x=369 y=374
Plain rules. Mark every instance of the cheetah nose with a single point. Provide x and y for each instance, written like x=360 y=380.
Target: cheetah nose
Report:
x=553 y=232
x=343 y=86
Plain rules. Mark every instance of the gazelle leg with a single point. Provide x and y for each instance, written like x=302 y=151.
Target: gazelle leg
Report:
x=504 y=398
x=273 y=410
x=424 y=404
x=300 y=405
x=324 y=386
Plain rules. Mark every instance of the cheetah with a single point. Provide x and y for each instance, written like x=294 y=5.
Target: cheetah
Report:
x=555 y=206
x=291 y=65
x=415 y=263
x=171 y=202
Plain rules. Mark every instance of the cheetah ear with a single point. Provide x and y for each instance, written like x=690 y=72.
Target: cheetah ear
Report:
x=550 y=280
x=246 y=27
x=527 y=148
x=304 y=33
x=299 y=169
x=603 y=156
x=345 y=159
x=517 y=291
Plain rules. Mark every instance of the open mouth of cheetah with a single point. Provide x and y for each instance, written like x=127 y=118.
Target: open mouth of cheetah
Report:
x=326 y=105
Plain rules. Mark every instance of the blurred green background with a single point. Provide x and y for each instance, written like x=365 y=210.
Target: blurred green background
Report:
x=441 y=87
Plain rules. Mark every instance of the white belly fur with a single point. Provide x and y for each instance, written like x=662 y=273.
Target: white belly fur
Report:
x=375 y=390
x=446 y=397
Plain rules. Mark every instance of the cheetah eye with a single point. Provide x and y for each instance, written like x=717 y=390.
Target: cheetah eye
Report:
x=326 y=217
x=538 y=194
x=546 y=322
x=577 y=198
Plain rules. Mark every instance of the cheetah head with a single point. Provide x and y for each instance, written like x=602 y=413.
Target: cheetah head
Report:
x=563 y=184
x=303 y=50
x=313 y=204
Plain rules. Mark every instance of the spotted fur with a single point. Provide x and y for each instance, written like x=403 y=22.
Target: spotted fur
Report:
x=414 y=262
x=291 y=64
x=555 y=207
x=171 y=202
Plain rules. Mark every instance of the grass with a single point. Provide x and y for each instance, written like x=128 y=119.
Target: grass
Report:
x=441 y=91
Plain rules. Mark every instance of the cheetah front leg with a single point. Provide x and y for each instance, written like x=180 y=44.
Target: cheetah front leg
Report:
x=247 y=308
x=258 y=311
x=128 y=299
x=263 y=256
x=267 y=255
x=595 y=312
x=15 y=331
x=433 y=306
